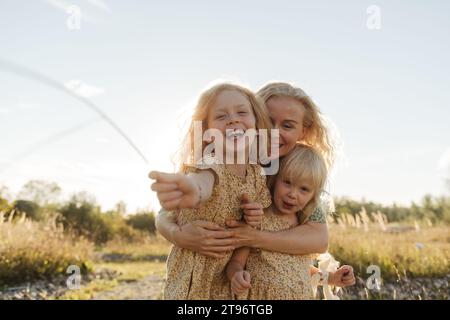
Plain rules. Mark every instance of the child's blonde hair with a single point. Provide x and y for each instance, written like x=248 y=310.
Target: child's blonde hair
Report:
x=316 y=133
x=303 y=163
x=202 y=109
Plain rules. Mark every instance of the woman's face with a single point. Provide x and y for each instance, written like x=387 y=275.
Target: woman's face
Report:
x=287 y=115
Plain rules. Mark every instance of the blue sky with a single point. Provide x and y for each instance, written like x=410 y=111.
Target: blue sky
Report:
x=142 y=62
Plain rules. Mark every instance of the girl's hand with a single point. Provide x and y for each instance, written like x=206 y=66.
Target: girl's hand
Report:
x=240 y=282
x=253 y=211
x=175 y=191
x=343 y=277
x=206 y=238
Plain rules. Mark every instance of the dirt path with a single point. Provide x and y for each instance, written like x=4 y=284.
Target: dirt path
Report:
x=148 y=288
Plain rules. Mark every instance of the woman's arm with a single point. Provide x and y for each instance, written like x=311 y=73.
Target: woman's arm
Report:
x=311 y=237
x=167 y=226
x=204 y=237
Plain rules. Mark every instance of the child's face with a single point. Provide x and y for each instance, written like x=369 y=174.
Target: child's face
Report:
x=232 y=110
x=290 y=198
x=287 y=115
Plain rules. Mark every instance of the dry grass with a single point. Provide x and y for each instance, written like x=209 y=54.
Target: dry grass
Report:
x=149 y=248
x=31 y=250
x=415 y=250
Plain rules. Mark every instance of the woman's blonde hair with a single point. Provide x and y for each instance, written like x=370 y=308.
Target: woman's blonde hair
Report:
x=303 y=163
x=316 y=133
x=202 y=109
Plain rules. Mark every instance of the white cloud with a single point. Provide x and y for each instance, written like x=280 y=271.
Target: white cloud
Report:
x=444 y=160
x=4 y=111
x=82 y=89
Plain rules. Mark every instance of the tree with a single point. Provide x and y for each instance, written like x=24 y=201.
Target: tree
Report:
x=40 y=192
x=121 y=208
x=4 y=193
x=83 y=197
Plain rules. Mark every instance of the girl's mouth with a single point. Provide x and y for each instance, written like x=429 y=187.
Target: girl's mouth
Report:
x=287 y=205
x=234 y=134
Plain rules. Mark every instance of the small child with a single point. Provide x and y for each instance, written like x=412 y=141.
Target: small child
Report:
x=272 y=275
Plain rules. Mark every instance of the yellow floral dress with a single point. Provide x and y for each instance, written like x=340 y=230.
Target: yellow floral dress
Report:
x=191 y=275
x=278 y=276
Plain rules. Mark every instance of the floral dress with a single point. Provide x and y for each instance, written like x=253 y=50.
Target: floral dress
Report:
x=278 y=276
x=191 y=275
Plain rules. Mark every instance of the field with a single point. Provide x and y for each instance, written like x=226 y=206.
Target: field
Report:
x=412 y=259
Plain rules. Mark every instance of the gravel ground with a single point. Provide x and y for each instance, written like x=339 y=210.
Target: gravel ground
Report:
x=150 y=288
x=403 y=289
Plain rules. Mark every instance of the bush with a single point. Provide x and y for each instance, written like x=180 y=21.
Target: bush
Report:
x=4 y=205
x=86 y=220
x=31 y=250
x=29 y=208
x=120 y=230
x=143 y=221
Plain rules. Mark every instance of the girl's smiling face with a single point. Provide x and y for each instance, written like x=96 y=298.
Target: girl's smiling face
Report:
x=232 y=112
x=287 y=115
x=290 y=198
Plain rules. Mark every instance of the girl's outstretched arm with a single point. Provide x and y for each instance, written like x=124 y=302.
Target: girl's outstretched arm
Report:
x=311 y=237
x=178 y=191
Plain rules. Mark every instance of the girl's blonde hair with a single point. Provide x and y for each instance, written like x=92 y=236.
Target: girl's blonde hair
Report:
x=202 y=109
x=303 y=163
x=316 y=133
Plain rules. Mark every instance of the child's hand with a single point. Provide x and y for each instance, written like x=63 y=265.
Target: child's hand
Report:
x=175 y=191
x=253 y=211
x=343 y=277
x=240 y=282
